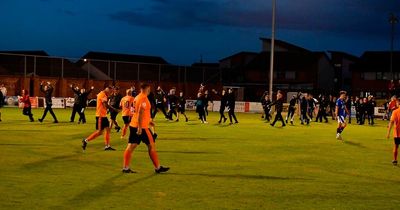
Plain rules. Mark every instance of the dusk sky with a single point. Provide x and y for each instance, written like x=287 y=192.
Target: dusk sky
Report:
x=182 y=30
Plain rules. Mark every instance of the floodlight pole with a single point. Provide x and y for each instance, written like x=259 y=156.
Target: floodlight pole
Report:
x=271 y=67
x=392 y=20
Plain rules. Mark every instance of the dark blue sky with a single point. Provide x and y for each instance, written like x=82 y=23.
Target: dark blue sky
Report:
x=182 y=30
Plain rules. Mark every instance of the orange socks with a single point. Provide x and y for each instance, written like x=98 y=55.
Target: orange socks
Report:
x=93 y=136
x=154 y=158
x=127 y=158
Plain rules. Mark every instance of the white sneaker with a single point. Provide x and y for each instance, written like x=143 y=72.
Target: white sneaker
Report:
x=338 y=136
x=205 y=122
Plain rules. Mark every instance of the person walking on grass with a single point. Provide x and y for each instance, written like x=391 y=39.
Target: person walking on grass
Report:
x=27 y=110
x=48 y=91
x=200 y=108
x=181 y=107
x=340 y=113
x=395 y=124
x=279 y=108
x=102 y=123
x=140 y=132
x=231 y=103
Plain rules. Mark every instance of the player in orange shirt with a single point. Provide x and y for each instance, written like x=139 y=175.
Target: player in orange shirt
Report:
x=127 y=110
x=395 y=120
x=139 y=131
x=102 y=122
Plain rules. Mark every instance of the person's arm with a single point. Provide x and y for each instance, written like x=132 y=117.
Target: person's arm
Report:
x=389 y=128
x=41 y=87
x=105 y=104
x=336 y=111
x=140 y=119
x=74 y=90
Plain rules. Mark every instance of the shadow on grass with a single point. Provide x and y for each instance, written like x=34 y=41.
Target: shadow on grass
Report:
x=239 y=176
x=189 y=139
x=189 y=152
x=96 y=193
x=28 y=145
x=354 y=144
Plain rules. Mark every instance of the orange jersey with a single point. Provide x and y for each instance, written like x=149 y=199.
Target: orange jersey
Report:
x=127 y=105
x=101 y=110
x=141 y=103
x=396 y=119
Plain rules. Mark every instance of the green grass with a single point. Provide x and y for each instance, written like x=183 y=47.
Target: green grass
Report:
x=244 y=166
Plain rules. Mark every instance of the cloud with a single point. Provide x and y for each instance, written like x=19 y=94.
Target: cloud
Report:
x=338 y=16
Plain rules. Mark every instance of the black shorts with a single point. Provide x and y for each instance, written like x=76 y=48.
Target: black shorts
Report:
x=113 y=115
x=181 y=110
x=146 y=137
x=126 y=119
x=397 y=141
x=102 y=123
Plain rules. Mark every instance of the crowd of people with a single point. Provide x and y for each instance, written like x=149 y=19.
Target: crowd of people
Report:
x=139 y=109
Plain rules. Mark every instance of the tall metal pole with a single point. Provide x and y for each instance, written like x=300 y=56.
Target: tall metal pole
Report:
x=271 y=67
x=392 y=20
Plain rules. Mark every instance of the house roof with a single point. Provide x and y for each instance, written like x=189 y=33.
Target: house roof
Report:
x=243 y=53
x=26 y=52
x=124 y=57
x=286 y=45
x=378 y=61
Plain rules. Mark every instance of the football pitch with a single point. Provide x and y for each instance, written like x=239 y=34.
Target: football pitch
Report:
x=245 y=166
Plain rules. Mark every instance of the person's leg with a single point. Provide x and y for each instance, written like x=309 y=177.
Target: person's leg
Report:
x=151 y=146
x=53 y=115
x=45 y=113
x=128 y=155
x=74 y=110
x=230 y=115
x=107 y=137
x=83 y=115
x=395 y=151
x=29 y=112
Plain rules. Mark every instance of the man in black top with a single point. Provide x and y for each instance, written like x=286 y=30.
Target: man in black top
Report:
x=83 y=97
x=181 y=106
x=279 y=108
x=114 y=101
x=231 y=100
x=160 y=100
x=48 y=91
x=357 y=106
x=266 y=102
x=224 y=103
x=349 y=103
x=76 y=108
x=371 y=109
x=304 y=109
x=323 y=104
x=292 y=109
x=173 y=103
x=311 y=106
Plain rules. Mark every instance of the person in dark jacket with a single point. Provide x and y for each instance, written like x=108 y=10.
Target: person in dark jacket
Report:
x=48 y=91
x=1 y=102
x=224 y=102
x=231 y=101
x=114 y=101
x=160 y=98
x=311 y=106
x=357 y=106
x=278 y=108
x=173 y=103
x=76 y=108
x=27 y=110
x=303 y=109
x=371 y=109
x=363 y=110
x=323 y=104
x=181 y=106
x=349 y=103
x=207 y=100
x=83 y=98
x=292 y=109
x=200 y=108
x=267 y=108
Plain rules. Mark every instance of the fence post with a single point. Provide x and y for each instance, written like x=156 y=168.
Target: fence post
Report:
x=159 y=73
x=62 y=67
x=109 y=68
x=24 y=66
x=138 y=72
x=115 y=71
x=34 y=65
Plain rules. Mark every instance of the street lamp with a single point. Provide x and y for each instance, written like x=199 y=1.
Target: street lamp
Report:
x=271 y=66
x=392 y=20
